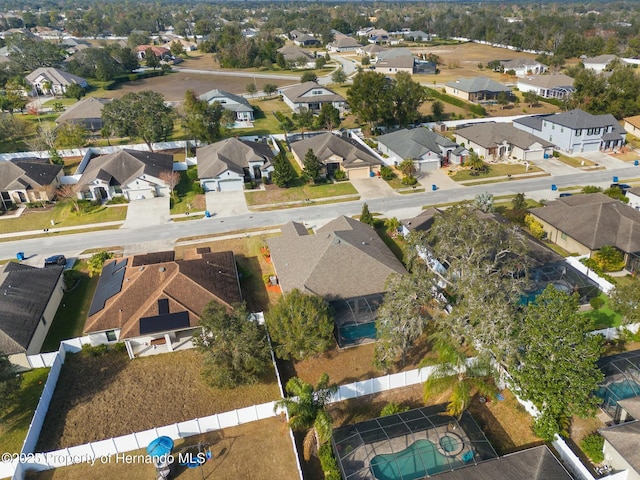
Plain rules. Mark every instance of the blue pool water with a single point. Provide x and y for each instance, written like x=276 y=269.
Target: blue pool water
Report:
x=418 y=460
x=351 y=333
x=618 y=391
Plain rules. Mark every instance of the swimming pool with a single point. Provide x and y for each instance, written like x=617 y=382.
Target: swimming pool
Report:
x=613 y=392
x=418 y=460
x=350 y=334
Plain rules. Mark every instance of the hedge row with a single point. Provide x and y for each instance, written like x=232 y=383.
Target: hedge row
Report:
x=132 y=77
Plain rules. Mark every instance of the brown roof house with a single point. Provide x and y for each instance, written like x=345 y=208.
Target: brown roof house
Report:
x=224 y=166
x=345 y=262
x=152 y=300
x=133 y=174
x=86 y=112
x=632 y=125
x=312 y=96
x=337 y=153
x=25 y=180
x=585 y=223
x=30 y=299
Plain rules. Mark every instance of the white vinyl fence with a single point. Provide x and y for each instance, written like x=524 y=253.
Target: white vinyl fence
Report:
x=603 y=284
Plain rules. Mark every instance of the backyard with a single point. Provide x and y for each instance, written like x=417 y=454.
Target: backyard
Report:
x=108 y=395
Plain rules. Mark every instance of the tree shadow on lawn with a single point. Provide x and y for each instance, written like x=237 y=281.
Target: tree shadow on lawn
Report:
x=253 y=288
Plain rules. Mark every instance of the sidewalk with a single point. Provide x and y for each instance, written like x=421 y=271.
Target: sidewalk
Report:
x=60 y=229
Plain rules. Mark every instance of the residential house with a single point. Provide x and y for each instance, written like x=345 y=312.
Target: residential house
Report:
x=377 y=36
x=633 y=195
x=476 y=90
x=557 y=85
x=30 y=299
x=371 y=50
x=73 y=45
x=87 y=112
x=598 y=64
x=621 y=448
x=49 y=80
x=585 y=223
x=523 y=66
x=187 y=45
x=575 y=131
x=24 y=180
x=242 y=110
x=153 y=300
x=395 y=65
x=161 y=53
x=391 y=53
x=632 y=125
x=420 y=223
x=336 y=153
x=306 y=40
x=297 y=56
x=343 y=43
x=133 y=174
x=416 y=36
x=312 y=96
x=429 y=150
x=500 y=141
x=226 y=165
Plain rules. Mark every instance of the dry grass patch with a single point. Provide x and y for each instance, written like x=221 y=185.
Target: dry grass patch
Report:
x=575 y=162
x=236 y=454
x=110 y=395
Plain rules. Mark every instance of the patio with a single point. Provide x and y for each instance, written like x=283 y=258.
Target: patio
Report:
x=175 y=343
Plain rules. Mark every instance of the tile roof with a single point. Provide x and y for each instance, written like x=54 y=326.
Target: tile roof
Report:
x=19 y=174
x=124 y=166
x=187 y=285
x=55 y=76
x=343 y=259
x=415 y=142
x=296 y=92
x=241 y=105
x=625 y=438
x=478 y=84
x=25 y=293
x=594 y=220
x=330 y=148
x=88 y=108
x=231 y=154
x=490 y=134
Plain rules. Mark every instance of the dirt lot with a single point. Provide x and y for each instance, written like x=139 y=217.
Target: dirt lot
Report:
x=110 y=395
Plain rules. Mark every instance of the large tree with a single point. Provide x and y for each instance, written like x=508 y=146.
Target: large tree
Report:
x=403 y=316
x=306 y=407
x=71 y=135
x=234 y=346
x=407 y=98
x=283 y=173
x=203 y=121
x=625 y=299
x=139 y=115
x=300 y=325
x=311 y=166
x=30 y=52
x=371 y=97
x=328 y=117
x=555 y=364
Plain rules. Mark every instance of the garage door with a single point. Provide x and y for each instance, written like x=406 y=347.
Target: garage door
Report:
x=355 y=173
x=210 y=186
x=230 y=185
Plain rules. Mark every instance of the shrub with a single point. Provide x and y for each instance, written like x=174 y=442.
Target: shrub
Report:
x=192 y=174
x=592 y=447
x=596 y=303
x=609 y=259
x=119 y=347
x=409 y=181
x=556 y=154
x=392 y=408
x=92 y=351
x=70 y=278
x=328 y=462
x=591 y=189
x=197 y=188
x=535 y=227
x=387 y=173
x=340 y=175
x=117 y=200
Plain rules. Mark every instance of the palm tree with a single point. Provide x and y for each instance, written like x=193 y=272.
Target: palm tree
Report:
x=407 y=167
x=306 y=410
x=474 y=162
x=454 y=372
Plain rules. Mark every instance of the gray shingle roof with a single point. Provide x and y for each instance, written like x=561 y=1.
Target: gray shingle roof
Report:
x=345 y=42
x=478 y=84
x=122 y=167
x=548 y=81
x=489 y=134
x=27 y=173
x=296 y=92
x=594 y=220
x=329 y=149
x=625 y=438
x=390 y=53
x=631 y=406
x=415 y=142
x=292 y=53
x=422 y=222
x=241 y=105
x=343 y=259
x=87 y=109
x=537 y=463
x=25 y=292
x=55 y=76
x=231 y=154
x=577 y=119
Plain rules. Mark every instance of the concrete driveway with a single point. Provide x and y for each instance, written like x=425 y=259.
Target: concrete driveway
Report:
x=147 y=212
x=226 y=204
x=373 y=187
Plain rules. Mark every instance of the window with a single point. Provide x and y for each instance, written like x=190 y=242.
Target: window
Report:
x=563 y=236
x=578 y=133
x=561 y=130
x=111 y=335
x=316 y=92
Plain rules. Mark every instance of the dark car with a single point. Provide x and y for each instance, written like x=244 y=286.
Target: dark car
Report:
x=622 y=186
x=55 y=260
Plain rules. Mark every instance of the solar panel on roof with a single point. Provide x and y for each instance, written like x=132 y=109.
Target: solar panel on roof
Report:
x=109 y=284
x=163 y=323
x=163 y=306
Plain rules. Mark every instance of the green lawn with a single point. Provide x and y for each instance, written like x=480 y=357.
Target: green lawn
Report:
x=186 y=199
x=14 y=424
x=72 y=312
x=396 y=244
x=604 y=317
x=495 y=170
x=575 y=161
x=61 y=214
x=297 y=194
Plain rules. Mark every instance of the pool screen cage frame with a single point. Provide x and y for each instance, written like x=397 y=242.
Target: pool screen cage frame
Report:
x=355 y=311
x=353 y=444
x=621 y=368
x=563 y=273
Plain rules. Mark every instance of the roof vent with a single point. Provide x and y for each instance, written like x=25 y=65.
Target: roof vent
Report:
x=162 y=269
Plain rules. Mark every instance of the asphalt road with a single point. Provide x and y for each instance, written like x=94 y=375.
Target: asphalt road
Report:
x=401 y=206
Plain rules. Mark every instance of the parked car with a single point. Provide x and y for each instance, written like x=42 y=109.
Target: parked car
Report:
x=55 y=260
x=622 y=186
